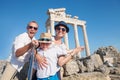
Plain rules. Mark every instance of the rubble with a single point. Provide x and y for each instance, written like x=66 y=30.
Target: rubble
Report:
x=103 y=64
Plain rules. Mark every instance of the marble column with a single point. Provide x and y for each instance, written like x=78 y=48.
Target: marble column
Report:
x=77 y=44
x=76 y=36
x=52 y=27
x=66 y=40
x=86 y=40
x=48 y=29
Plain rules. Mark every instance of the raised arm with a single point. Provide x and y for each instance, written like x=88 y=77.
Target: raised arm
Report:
x=21 y=51
x=64 y=59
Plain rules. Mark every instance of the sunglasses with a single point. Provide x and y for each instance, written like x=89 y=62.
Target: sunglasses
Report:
x=44 y=39
x=35 y=28
x=63 y=29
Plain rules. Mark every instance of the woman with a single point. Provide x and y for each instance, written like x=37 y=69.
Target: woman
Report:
x=61 y=29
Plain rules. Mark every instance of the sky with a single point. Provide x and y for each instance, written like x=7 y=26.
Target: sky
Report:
x=102 y=21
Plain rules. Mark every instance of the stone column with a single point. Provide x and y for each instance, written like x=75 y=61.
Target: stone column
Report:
x=76 y=36
x=52 y=27
x=66 y=40
x=48 y=28
x=86 y=40
x=76 y=39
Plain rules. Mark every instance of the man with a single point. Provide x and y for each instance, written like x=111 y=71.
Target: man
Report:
x=21 y=51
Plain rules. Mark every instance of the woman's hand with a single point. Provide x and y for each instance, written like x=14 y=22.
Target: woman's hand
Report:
x=77 y=50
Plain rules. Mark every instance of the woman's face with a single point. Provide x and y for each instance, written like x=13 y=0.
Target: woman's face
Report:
x=60 y=31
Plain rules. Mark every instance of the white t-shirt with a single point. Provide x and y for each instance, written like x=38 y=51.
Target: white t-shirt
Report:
x=51 y=55
x=20 y=41
x=62 y=45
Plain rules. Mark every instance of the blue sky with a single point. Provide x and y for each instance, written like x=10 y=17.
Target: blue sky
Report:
x=102 y=17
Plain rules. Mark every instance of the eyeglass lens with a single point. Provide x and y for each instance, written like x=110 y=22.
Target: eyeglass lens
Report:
x=63 y=29
x=45 y=39
x=35 y=28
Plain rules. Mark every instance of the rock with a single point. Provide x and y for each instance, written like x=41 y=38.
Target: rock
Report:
x=88 y=76
x=92 y=67
x=71 y=68
x=2 y=66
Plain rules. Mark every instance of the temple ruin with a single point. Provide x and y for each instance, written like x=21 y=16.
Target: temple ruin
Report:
x=56 y=15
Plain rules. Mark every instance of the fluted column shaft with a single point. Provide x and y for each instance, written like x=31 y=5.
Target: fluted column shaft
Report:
x=76 y=36
x=48 y=28
x=86 y=40
x=77 y=44
x=52 y=27
x=66 y=40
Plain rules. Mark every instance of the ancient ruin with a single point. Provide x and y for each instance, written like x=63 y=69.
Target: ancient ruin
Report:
x=103 y=64
x=56 y=15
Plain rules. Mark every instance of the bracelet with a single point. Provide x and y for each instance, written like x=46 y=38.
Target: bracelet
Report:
x=71 y=55
x=38 y=46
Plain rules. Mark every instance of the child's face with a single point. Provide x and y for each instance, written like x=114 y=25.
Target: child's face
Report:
x=44 y=46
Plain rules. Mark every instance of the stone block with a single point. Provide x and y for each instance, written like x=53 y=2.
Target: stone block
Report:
x=71 y=68
x=96 y=60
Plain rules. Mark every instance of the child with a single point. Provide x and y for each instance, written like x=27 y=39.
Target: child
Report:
x=52 y=53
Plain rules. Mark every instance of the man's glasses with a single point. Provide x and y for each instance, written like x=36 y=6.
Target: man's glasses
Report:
x=35 y=28
x=63 y=29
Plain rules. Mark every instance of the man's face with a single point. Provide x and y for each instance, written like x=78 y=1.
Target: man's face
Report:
x=32 y=28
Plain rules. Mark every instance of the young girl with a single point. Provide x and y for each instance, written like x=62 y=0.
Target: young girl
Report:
x=52 y=54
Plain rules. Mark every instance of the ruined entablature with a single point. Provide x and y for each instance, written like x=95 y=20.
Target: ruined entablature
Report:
x=60 y=14
x=57 y=12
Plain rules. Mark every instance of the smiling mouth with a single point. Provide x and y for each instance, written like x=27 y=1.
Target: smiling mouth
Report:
x=32 y=33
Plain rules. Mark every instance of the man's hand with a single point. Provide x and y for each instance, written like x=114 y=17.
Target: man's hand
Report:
x=35 y=43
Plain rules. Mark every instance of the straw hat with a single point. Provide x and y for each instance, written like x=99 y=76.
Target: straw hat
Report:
x=45 y=38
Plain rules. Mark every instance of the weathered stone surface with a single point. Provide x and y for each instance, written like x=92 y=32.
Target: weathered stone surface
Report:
x=89 y=65
x=92 y=62
x=104 y=69
x=109 y=52
x=82 y=68
x=96 y=60
x=71 y=68
x=2 y=66
x=115 y=77
x=89 y=68
x=19 y=76
x=115 y=70
x=88 y=76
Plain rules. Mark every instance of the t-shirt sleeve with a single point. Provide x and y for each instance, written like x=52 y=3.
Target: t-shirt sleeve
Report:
x=18 y=43
x=61 y=51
